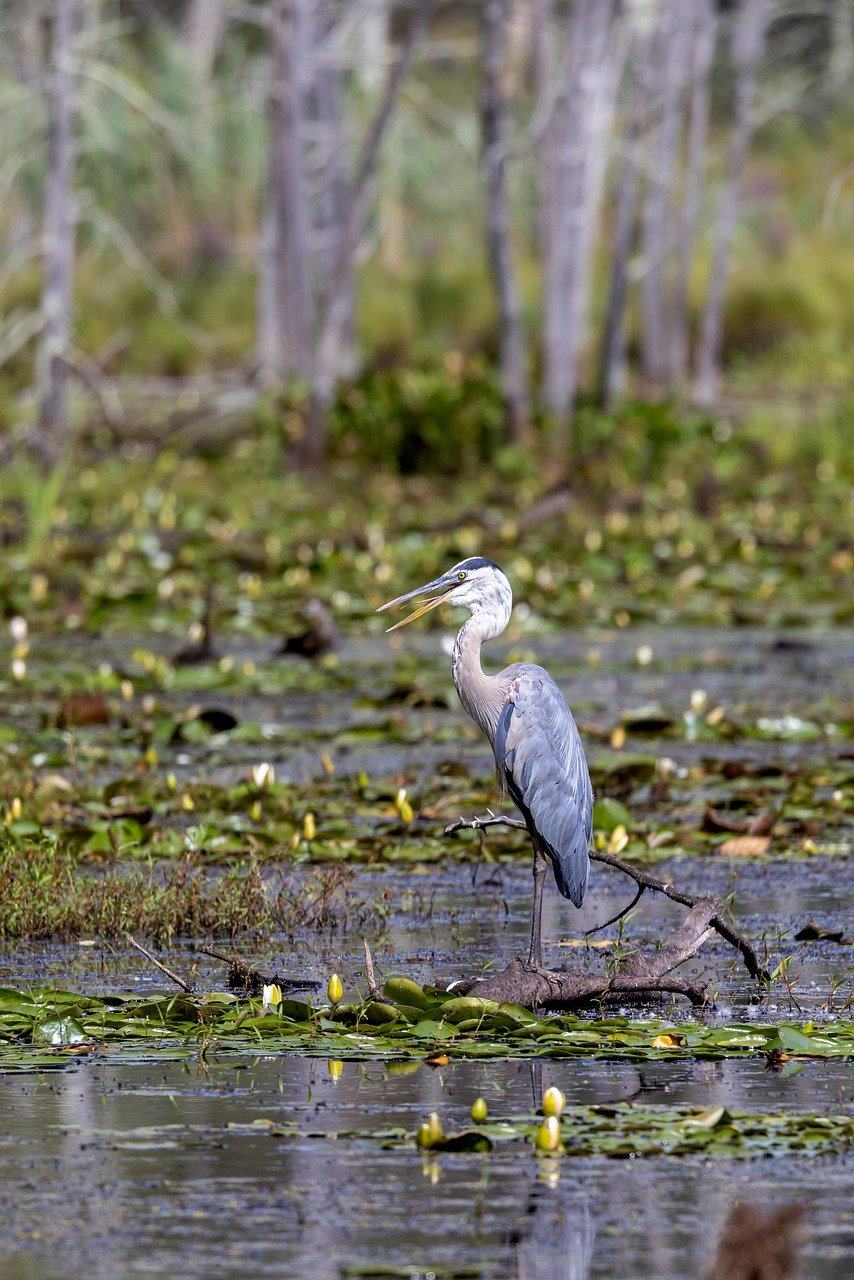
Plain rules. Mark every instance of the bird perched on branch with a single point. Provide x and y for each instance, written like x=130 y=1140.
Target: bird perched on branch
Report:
x=538 y=751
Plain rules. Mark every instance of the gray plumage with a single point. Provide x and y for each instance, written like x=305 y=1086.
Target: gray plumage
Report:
x=538 y=751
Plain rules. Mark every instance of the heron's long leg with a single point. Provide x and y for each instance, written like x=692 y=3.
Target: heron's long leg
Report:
x=535 y=951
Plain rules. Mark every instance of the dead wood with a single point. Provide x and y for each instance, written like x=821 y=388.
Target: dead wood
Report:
x=636 y=973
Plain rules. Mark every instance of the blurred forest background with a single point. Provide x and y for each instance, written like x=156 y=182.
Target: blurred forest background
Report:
x=589 y=259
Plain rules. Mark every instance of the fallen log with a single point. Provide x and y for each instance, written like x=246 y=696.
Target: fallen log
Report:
x=631 y=975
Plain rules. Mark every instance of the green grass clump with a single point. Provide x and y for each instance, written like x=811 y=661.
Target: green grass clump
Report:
x=44 y=894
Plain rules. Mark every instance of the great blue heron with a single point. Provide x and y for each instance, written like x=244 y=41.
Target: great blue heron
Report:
x=538 y=751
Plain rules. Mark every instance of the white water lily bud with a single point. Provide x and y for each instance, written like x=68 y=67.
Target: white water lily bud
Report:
x=699 y=698
x=553 y=1101
x=19 y=669
x=18 y=629
x=263 y=776
x=271 y=997
x=643 y=655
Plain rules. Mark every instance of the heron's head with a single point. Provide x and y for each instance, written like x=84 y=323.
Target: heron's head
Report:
x=475 y=584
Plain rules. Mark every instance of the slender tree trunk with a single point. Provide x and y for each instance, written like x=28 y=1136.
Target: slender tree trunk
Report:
x=496 y=14
x=332 y=341
x=205 y=28
x=703 y=33
x=578 y=152
x=657 y=239
x=614 y=338
x=59 y=233
x=288 y=192
x=748 y=42
x=329 y=170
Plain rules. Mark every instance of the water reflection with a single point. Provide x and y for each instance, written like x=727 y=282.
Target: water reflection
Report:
x=91 y=1181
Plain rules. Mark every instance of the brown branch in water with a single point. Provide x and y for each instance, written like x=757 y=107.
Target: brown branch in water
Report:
x=176 y=978
x=370 y=973
x=641 y=972
x=597 y=928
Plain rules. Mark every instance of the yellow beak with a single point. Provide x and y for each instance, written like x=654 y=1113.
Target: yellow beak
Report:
x=419 y=613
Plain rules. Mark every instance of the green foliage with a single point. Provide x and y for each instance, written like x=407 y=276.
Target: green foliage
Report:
x=439 y=419
x=45 y=894
x=179 y=1022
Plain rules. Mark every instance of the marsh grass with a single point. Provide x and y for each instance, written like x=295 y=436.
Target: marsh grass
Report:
x=45 y=894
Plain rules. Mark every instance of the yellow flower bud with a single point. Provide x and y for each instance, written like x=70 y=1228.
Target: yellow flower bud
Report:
x=334 y=989
x=478 y=1110
x=430 y=1132
x=150 y=757
x=548 y=1134
x=255 y=811
x=309 y=826
x=335 y=1067
x=553 y=1101
x=16 y=809
x=188 y=804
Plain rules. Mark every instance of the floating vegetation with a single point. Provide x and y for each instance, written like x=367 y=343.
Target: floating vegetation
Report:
x=42 y=1028
x=617 y=1132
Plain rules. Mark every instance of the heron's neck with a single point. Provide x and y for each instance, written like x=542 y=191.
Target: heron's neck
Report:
x=481 y=695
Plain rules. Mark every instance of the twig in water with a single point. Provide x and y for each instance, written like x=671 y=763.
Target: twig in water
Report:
x=176 y=978
x=373 y=988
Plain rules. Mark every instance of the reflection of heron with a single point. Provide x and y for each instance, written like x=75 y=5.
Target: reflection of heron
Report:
x=537 y=749
x=555 y=1239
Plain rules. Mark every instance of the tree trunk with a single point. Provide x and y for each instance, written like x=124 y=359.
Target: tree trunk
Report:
x=329 y=169
x=657 y=239
x=614 y=340
x=332 y=340
x=748 y=42
x=577 y=154
x=286 y=252
x=703 y=33
x=59 y=233
x=205 y=28
x=494 y=132
x=613 y=363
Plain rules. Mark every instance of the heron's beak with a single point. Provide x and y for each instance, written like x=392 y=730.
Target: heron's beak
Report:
x=438 y=591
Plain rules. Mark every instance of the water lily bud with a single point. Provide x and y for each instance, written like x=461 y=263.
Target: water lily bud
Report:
x=478 y=1110
x=334 y=989
x=430 y=1132
x=19 y=669
x=127 y=690
x=271 y=997
x=548 y=1134
x=553 y=1101
x=699 y=697
x=263 y=776
x=16 y=809
x=335 y=1067
x=643 y=656
x=188 y=804
x=422 y=1137
x=171 y=782
x=309 y=826
x=255 y=811
x=150 y=757
x=18 y=629
x=404 y=808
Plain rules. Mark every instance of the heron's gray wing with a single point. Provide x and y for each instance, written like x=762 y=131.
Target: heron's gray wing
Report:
x=538 y=750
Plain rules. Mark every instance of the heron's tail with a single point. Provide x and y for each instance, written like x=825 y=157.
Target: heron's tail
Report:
x=571 y=867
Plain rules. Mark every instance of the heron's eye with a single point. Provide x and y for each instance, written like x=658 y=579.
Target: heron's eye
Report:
x=461 y=575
